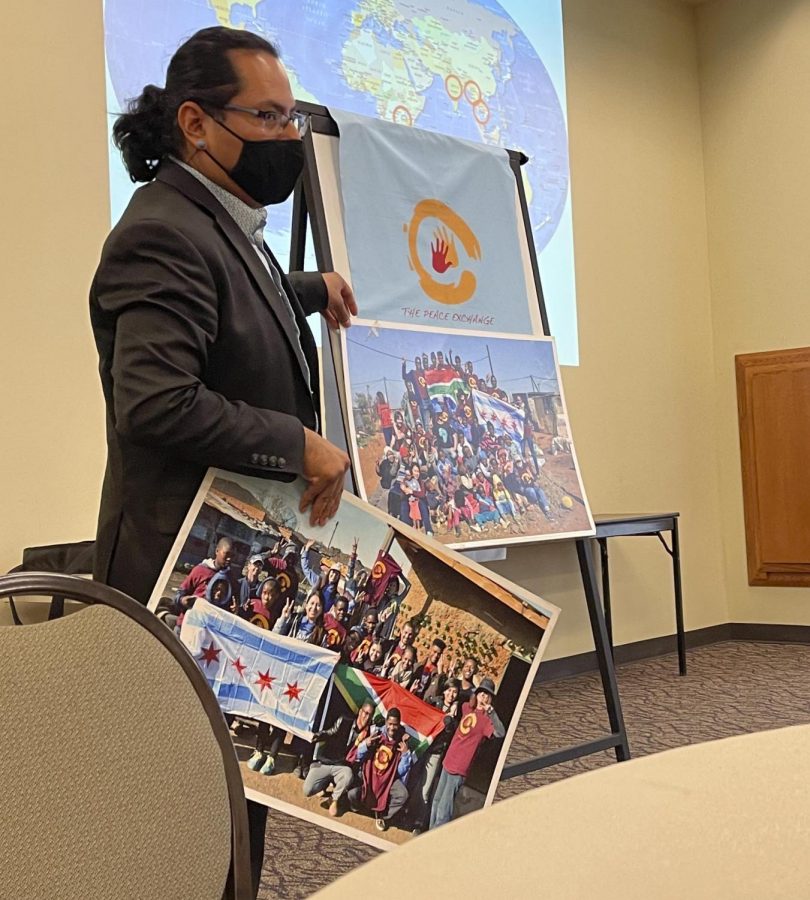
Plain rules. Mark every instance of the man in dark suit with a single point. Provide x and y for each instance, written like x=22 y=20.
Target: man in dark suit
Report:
x=205 y=355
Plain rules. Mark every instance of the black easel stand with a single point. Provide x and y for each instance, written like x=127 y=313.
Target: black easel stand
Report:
x=308 y=205
x=617 y=739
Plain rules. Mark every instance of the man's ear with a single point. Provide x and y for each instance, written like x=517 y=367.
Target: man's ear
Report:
x=192 y=121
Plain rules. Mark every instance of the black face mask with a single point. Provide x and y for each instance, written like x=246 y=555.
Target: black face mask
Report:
x=267 y=171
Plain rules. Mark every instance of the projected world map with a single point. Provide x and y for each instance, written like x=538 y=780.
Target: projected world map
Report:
x=462 y=68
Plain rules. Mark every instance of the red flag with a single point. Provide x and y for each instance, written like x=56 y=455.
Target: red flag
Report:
x=383 y=570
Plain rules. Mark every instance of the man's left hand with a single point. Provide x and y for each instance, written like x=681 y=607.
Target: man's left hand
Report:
x=341 y=305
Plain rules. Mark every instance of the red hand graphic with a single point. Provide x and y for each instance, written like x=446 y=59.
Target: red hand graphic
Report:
x=440 y=250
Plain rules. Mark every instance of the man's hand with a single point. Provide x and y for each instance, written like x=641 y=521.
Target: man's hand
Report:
x=404 y=744
x=341 y=305
x=324 y=468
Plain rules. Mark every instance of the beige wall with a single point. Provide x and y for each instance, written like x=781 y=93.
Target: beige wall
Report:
x=755 y=81
x=643 y=401
x=53 y=216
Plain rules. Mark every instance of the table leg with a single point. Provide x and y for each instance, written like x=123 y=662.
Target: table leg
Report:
x=676 y=573
x=603 y=553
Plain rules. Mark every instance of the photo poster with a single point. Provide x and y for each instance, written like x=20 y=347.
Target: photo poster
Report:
x=464 y=437
x=311 y=637
x=545 y=499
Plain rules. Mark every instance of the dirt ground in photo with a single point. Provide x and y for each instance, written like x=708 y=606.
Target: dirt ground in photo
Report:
x=558 y=478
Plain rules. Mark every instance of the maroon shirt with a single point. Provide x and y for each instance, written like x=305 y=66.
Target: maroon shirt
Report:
x=335 y=632
x=197 y=580
x=474 y=728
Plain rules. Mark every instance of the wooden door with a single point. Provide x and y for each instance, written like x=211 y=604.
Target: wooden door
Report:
x=773 y=400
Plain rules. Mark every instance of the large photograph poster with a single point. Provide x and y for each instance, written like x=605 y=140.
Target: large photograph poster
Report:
x=464 y=437
x=373 y=680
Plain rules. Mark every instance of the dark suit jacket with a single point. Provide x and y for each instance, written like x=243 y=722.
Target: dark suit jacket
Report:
x=198 y=368
x=337 y=740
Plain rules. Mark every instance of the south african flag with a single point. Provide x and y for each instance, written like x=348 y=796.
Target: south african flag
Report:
x=422 y=721
x=444 y=382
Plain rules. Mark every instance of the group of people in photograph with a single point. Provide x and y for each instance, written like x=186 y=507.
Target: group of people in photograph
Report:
x=445 y=465
x=374 y=767
x=369 y=765
x=280 y=590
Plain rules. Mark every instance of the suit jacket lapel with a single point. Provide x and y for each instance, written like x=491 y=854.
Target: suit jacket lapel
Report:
x=197 y=192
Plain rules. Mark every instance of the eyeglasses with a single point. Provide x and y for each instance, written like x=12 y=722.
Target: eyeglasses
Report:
x=272 y=120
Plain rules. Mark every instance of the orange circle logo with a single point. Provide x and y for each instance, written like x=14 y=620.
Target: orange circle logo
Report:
x=284 y=581
x=382 y=758
x=378 y=570
x=443 y=251
x=261 y=621
x=468 y=723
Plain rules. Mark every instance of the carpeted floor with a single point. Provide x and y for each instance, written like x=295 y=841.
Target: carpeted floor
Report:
x=731 y=688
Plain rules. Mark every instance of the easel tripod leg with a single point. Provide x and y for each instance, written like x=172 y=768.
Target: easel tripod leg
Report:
x=604 y=657
x=603 y=553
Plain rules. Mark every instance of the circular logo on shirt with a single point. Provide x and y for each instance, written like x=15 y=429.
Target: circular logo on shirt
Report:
x=468 y=723
x=379 y=569
x=382 y=758
x=333 y=637
x=261 y=621
x=284 y=581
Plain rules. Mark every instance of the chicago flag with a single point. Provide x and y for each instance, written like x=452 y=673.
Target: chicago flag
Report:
x=506 y=419
x=256 y=673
